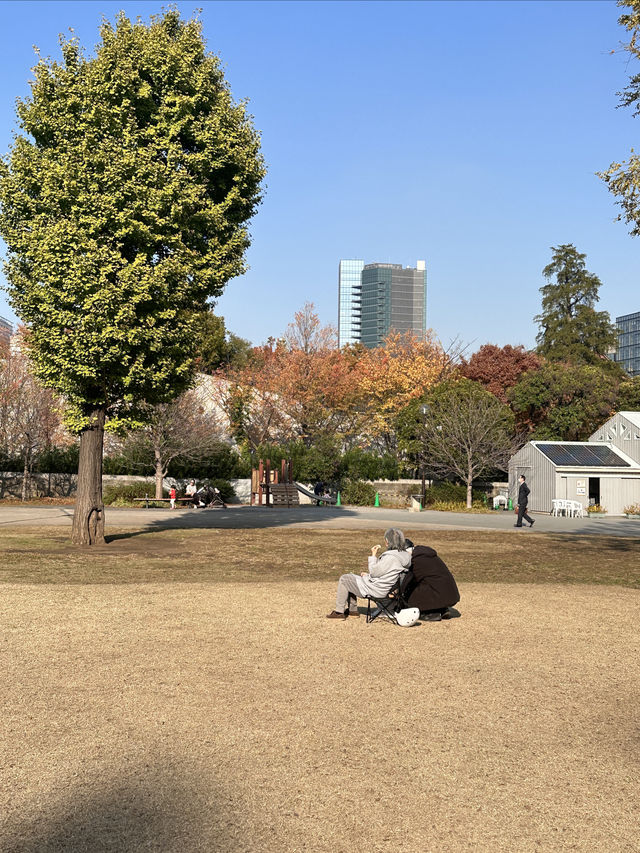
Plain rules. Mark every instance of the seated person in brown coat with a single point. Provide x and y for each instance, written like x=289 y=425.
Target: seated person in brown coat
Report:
x=433 y=588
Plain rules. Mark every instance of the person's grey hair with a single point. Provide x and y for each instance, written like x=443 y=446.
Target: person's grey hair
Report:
x=395 y=539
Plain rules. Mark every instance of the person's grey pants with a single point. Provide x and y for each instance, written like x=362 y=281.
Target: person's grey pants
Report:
x=348 y=593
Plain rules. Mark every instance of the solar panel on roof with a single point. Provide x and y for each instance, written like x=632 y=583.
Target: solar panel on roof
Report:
x=583 y=455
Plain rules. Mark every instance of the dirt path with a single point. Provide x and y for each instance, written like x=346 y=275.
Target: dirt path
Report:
x=167 y=718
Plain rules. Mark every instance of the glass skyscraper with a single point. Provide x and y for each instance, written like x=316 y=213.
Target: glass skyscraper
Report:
x=349 y=285
x=385 y=298
x=628 y=352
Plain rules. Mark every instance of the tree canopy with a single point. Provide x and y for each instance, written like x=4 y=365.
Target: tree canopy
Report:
x=623 y=178
x=124 y=203
x=570 y=327
x=498 y=369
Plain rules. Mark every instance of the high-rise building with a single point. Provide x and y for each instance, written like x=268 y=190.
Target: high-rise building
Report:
x=349 y=285
x=628 y=351
x=375 y=299
x=6 y=330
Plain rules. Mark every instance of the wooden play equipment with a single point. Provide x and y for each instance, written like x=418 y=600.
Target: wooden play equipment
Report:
x=275 y=486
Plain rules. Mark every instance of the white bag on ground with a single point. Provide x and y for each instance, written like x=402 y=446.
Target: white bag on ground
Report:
x=407 y=617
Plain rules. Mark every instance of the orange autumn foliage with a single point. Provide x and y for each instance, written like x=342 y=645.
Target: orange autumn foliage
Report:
x=404 y=368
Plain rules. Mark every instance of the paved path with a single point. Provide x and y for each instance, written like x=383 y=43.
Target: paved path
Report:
x=343 y=517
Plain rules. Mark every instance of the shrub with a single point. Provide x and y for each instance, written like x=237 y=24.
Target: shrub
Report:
x=448 y=492
x=357 y=464
x=596 y=508
x=58 y=460
x=458 y=506
x=632 y=509
x=357 y=493
x=123 y=495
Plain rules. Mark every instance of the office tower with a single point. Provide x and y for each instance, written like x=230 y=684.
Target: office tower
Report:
x=628 y=351
x=375 y=299
x=349 y=284
x=6 y=330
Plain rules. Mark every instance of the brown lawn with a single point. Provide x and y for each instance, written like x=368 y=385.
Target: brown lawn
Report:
x=150 y=703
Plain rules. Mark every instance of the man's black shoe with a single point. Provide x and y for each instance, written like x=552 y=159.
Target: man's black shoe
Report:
x=517 y=525
x=532 y=523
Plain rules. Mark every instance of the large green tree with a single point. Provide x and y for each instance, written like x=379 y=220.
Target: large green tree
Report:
x=570 y=327
x=124 y=206
x=564 y=401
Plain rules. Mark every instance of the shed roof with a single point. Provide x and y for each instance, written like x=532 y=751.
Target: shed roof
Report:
x=584 y=454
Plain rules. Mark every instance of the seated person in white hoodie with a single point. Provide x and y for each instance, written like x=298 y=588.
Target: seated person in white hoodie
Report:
x=383 y=573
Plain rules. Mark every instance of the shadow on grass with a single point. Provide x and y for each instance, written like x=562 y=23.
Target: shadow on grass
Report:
x=247 y=518
x=154 y=809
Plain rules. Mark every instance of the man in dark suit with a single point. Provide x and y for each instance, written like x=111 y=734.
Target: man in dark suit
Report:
x=523 y=500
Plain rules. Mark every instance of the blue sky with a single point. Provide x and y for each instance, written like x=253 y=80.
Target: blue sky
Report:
x=464 y=133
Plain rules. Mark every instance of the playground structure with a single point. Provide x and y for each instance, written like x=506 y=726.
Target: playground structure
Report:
x=276 y=486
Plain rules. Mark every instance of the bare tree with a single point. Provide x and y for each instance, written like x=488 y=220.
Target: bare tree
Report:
x=29 y=418
x=467 y=432
x=306 y=333
x=182 y=429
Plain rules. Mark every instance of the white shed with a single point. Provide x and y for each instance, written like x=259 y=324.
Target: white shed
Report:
x=593 y=472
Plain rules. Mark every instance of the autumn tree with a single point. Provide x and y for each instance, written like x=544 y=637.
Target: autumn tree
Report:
x=306 y=334
x=391 y=376
x=124 y=207
x=570 y=327
x=467 y=432
x=287 y=394
x=498 y=369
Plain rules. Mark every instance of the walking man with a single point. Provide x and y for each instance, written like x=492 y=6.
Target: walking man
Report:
x=523 y=500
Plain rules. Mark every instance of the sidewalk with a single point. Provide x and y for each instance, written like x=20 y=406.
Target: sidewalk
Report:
x=242 y=517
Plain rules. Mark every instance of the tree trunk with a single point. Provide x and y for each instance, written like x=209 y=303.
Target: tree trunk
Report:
x=88 y=518
x=469 y=488
x=159 y=475
x=25 y=476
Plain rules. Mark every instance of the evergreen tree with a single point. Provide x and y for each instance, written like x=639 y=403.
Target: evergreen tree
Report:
x=570 y=327
x=124 y=205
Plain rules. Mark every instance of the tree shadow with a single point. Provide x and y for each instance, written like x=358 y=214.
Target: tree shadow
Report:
x=245 y=518
x=154 y=809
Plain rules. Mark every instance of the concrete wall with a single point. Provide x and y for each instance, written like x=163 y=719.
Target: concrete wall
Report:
x=64 y=485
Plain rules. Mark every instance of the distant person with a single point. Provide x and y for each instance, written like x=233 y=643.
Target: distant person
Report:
x=190 y=492
x=172 y=497
x=383 y=573
x=523 y=500
x=433 y=589
x=317 y=491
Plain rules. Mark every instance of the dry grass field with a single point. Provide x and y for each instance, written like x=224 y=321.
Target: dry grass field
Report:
x=182 y=691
